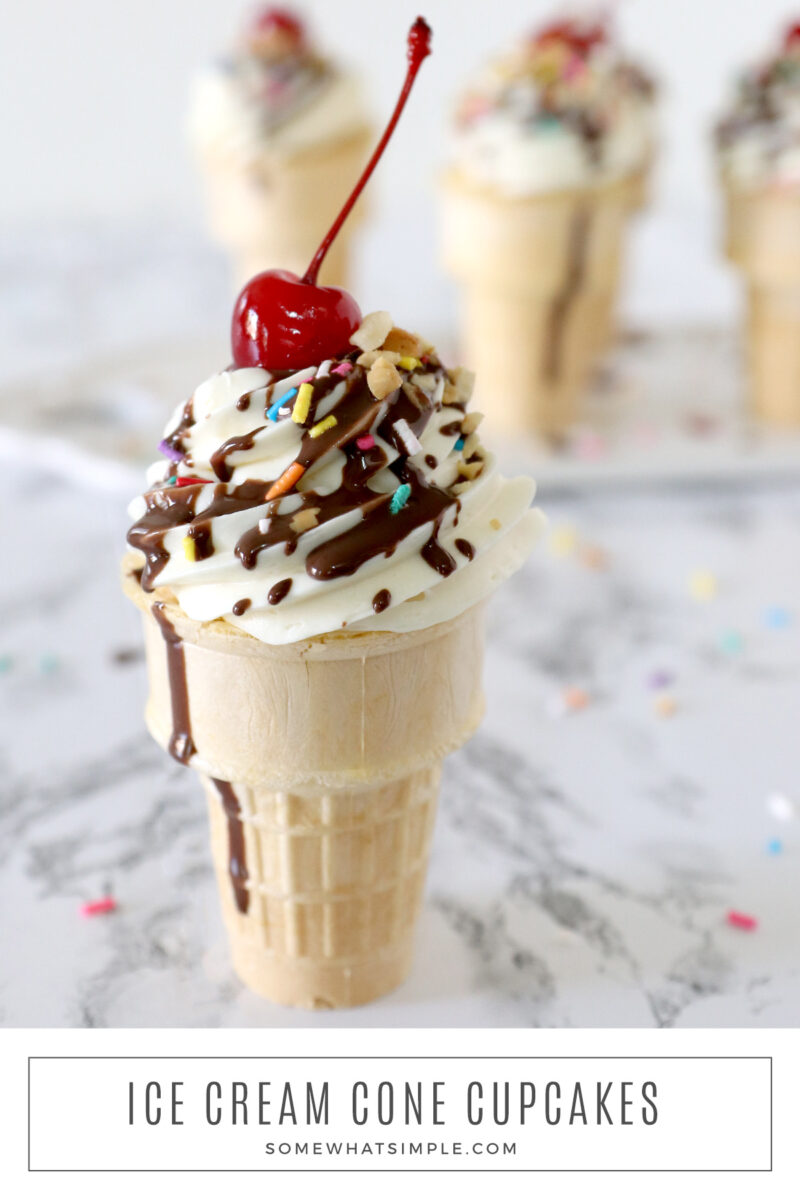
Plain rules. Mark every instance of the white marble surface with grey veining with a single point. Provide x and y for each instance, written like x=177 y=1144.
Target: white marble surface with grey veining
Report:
x=583 y=864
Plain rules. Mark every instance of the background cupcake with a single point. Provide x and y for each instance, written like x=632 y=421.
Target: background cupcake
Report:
x=280 y=133
x=758 y=152
x=550 y=151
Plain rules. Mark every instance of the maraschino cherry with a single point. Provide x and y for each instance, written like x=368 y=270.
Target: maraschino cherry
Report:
x=791 y=39
x=580 y=37
x=281 y=22
x=282 y=322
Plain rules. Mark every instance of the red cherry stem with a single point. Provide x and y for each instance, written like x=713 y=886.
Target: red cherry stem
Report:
x=419 y=47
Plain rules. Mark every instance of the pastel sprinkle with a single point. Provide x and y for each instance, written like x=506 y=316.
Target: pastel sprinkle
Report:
x=324 y=369
x=774 y=846
x=780 y=807
x=321 y=426
x=97 y=908
x=593 y=557
x=173 y=479
x=408 y=362
x=366 y=442
x=666 y=706
x=286 y=481
x=48 y=664
x=302 y=405
x=407 y=436
x=399 y=499
x=190 y=549
x=272 y=412
x=703 y=585
x=343 y=369
x=740 y=920
x=563 y=540
x=459 y=444
x=169 y=451
x=6 y=663
x=777 y=617
x=731 y=641
x=660 y=679
x=575 y=698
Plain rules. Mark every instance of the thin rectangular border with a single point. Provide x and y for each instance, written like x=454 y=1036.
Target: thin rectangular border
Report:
x=402 y=1170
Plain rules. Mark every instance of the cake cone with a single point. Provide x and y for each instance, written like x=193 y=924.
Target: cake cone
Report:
x=321 y=762
x=273 y=211
x=538 y=275
x=762 y=238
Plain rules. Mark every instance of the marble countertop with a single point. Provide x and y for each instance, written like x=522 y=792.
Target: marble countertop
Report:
x=583 y=863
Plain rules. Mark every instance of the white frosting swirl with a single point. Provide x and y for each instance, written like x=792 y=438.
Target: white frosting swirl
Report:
x=758 y=140
x=522 y=131
x=489 y=515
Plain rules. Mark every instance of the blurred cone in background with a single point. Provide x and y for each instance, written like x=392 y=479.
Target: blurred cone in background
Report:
x=280 y=134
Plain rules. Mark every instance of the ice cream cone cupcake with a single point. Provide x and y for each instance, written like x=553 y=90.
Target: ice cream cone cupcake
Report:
x=551 y=149
x=758 y=153
x=311 y=559
x=279 y=133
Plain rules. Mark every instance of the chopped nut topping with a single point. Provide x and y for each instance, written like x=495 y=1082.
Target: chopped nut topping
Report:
x=495 y=524
x=371 y=356
x=383 y=378
x=471 y=422
x=458 y=488
x=305 y=519
x=463 y=382
x=404 y=343
x=471 y=445
x=372 y=331
x=470 y=470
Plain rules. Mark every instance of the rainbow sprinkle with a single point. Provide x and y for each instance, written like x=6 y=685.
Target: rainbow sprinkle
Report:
x=343 y=369
x=321 y=426
x=286 y=481
x=272 y=412
x=408 y=362
x=302 y=404
x=399 y=498
x=366 y=442
x=190 y=549
x=97 y=908
x=740 y=920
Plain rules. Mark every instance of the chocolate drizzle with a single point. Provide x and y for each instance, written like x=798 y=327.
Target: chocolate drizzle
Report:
x=181 y=746
x=466 y=548
x=356 y=412
x=237 y=856
x=381 y=600
x=561 y=304
x=241 y=607
x=279 y=591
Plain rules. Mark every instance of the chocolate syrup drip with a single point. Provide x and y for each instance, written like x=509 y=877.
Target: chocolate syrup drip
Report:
x=466 y=548
x=451 y=429
x=237 y=855
x=175 y=439
x=431 y=461
x=437 y=557
x=559 y=309
x=381 y=600
x=181 y=746
x=200 y=533
x=243 y=403
x=279 y=591
x=218 y=460
x=167 y=507
x=241 y=607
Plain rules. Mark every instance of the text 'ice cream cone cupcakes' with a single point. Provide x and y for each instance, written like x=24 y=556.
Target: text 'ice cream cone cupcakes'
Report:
x=550 y=150
x=311 y=558
x=279 y=133
x=758 y=155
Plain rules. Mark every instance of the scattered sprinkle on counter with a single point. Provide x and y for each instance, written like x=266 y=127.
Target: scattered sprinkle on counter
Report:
x=731 y=641
x=703 y=585
x=49 y=664
x=6 y=663
x=660 y=679
x=774 y=846
x=777 y=617
x=98 y=908
x=741 y=920
x=570 y=700
x=780 y=806
x=666 y=706
x=563 y=540
x=593 y=557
